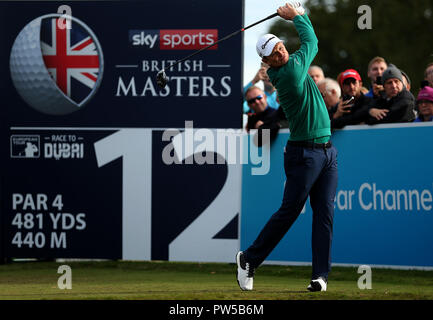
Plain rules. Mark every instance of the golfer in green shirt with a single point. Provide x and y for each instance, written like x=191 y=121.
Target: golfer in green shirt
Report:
x=310 y=160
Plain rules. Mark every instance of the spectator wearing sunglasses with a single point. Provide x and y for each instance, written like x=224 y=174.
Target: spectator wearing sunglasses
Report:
x=269 y=89
x=262 y=112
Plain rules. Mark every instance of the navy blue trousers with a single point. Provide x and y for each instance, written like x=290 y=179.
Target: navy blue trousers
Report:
x=309 y=172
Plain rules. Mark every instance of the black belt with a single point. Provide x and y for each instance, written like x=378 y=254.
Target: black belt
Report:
x=309 y=144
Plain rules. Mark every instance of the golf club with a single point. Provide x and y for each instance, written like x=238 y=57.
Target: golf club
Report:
x=161 y=77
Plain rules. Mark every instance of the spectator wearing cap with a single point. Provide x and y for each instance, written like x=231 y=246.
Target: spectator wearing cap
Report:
x=424 y=102
x=398 y=105
x=316 y=73
x=376 y=67
x=356 y=111
x=428 y=74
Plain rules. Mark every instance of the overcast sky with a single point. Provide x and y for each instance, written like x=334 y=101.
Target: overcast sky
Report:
x=256 y=10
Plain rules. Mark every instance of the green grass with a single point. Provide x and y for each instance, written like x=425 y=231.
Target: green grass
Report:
x=201 y=281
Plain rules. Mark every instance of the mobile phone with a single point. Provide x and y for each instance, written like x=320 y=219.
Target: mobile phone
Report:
x=379 y=80
x=348 y=101
x=346 y=97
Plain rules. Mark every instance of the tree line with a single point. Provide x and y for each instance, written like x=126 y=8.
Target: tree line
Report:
x=401 y=31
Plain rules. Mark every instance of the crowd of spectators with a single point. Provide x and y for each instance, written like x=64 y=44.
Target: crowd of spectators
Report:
x=388 y=98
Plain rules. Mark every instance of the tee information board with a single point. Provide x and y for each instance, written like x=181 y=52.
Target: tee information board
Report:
x=83 y=125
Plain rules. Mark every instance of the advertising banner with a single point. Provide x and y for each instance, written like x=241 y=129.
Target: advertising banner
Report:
x=384 y=201
x=83 y=127
x=101 y=58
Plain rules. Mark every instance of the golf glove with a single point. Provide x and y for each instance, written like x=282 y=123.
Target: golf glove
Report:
x=298 y=6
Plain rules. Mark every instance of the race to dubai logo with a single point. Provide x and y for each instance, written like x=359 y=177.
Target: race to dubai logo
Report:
x=56 y=69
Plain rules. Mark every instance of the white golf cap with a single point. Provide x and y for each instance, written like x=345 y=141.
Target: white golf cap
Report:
x=266 y=44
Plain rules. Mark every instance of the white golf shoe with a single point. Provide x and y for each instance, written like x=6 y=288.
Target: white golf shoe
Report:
x=245 y=273
x=318 y=284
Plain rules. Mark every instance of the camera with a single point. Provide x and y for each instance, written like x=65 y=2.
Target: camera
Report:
x=379 y=80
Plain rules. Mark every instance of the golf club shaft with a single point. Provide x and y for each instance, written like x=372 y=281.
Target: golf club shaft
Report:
x=225 y=38
x=256 y=23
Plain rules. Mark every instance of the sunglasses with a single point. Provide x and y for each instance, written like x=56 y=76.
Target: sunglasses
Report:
x=260 y=97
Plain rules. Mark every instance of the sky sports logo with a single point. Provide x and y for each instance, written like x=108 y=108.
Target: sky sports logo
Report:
x=180 y=39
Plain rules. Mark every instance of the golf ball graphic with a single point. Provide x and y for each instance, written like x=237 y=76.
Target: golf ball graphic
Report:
x=56 y=68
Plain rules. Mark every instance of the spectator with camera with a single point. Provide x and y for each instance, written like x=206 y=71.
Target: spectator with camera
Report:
x=376 y=67
x=269 y=90
x=353 y=108
x=397 y=105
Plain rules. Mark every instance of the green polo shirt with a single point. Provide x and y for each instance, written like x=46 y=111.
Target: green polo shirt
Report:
x=299 y=96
